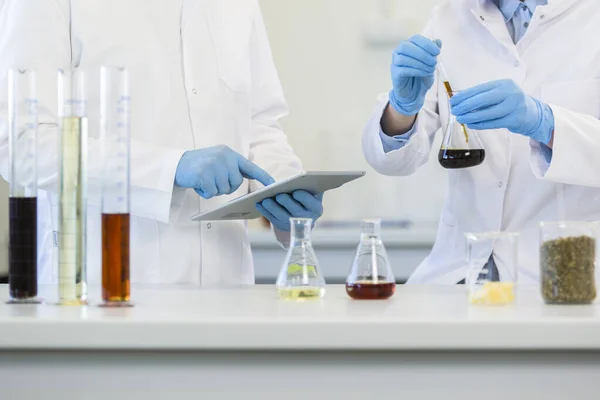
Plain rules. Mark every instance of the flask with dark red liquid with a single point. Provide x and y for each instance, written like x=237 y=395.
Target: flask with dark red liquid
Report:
x=371 y=276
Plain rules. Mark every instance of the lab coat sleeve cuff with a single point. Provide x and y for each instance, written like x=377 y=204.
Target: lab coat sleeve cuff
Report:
x=573 y=135
x=177 y=193
x=391 y=143
x=163 y=202
x=540 y=159
x=283 y=238
x=400 y=161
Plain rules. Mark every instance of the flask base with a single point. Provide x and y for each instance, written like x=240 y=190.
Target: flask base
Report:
x=301 y=293
x=460 y=158
x=367 y=290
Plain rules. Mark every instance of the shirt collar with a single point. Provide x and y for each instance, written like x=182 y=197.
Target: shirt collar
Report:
x=508 y=8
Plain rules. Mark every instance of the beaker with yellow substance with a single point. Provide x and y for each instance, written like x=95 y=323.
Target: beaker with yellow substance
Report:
x=300 y=277
x=492 y=267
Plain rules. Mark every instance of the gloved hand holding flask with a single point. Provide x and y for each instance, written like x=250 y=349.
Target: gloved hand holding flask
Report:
x=502 y=104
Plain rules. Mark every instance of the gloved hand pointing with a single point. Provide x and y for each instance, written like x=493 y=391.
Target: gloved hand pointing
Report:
x=216 y=171
x=502 y=104
x=413 y=69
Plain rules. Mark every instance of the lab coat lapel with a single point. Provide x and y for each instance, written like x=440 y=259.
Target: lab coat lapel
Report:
x=556 y=8
x=489 y=17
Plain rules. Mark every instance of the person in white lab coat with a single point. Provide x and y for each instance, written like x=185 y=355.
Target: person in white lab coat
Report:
x=528 y=73
x=206 y=101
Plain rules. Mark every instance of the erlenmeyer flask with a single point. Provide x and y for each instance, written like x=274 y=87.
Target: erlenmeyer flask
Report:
x=461 y=147
x=371 y=276
x=300 y=277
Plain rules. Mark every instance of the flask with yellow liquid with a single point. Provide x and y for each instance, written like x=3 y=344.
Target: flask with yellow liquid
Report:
x=300 y=277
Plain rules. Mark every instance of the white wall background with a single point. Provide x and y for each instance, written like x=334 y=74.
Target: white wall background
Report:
x=332 y=78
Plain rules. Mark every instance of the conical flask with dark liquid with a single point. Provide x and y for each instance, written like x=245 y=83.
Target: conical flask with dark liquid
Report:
x=461 y=146
x=371 y=276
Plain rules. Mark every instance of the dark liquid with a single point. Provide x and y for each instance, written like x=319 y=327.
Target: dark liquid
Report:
x=115 y=258
x=364 y=290
x=454 y=159
x=22 y=251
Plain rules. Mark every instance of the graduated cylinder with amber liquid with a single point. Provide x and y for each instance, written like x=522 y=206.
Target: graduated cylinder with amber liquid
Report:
x=115 y=137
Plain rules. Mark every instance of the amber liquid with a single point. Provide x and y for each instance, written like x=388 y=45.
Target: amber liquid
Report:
x=450 y=94
x=454 y=159
x=368 y=290
x=115 y=258
x=22 y=250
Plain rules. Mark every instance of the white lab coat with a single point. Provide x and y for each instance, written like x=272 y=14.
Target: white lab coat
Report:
x=558 y=62
x=201 y=74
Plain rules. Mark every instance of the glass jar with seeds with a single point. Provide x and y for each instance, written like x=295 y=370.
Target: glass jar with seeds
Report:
x=568 y=262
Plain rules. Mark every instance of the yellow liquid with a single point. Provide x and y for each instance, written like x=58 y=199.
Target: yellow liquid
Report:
x=493 y=293
x=301 y=293
x=72 y=289
x=296 y=269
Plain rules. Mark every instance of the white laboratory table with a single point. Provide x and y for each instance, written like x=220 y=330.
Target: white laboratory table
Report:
x=424 y=343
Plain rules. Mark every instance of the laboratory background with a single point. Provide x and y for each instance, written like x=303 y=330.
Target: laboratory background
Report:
x=330 y=317
x=329 y=106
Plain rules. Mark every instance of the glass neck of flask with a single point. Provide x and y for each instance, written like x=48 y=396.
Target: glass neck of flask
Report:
x=301 y=229
x=371 y=229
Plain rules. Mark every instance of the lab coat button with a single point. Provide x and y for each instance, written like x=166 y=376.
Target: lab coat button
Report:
x=194 y=91
x=542 y=16
x=500 y=184
x=526 y=24
x=517 y=63
x=209 y=225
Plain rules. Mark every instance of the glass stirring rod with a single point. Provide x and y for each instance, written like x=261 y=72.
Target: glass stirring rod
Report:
x=450 y=93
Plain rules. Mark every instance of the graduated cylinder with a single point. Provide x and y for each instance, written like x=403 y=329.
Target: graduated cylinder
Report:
x=22 y=144
x=72 y=284
x=114 y=128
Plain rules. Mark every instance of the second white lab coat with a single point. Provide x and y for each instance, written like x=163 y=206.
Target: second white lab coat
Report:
x=201 y=74
x=558 y=62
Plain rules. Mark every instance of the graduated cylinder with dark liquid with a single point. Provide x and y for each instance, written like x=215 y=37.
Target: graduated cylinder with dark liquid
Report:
x=115 y=258
x=114 y=134
x=22 y=251
x=22 y=143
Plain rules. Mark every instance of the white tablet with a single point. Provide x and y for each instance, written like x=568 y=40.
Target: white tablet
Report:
x=244 y=207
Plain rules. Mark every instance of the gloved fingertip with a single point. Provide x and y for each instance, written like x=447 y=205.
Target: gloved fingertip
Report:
x=438 y=42
x=299 y=193
x=268 y=180
x=264 y=178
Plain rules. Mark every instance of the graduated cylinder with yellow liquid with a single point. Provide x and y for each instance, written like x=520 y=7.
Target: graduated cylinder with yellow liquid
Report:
x=72 y=283
x=300 y=277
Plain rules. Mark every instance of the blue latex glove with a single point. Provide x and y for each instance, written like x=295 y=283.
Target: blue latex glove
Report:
x=502 y=104
x=216 y=171
x=300 y=204
x=413 y=69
